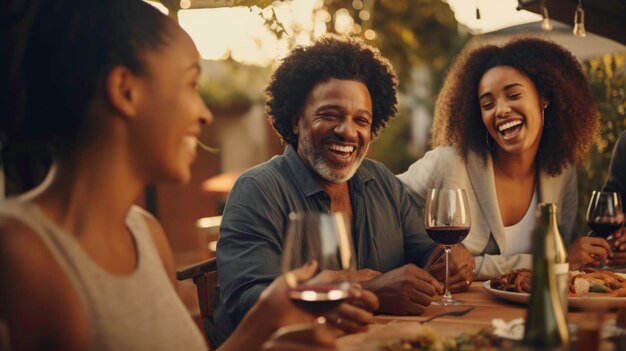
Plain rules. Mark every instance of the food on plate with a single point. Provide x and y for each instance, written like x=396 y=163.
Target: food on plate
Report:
x=588 y=282
x=428 y=339
x=517 y=280
x=598 y=283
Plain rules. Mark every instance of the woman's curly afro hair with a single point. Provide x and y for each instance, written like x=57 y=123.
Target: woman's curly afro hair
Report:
x=330 y=56
x=570 y=121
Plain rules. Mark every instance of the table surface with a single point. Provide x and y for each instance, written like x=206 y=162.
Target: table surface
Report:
x=487 y=308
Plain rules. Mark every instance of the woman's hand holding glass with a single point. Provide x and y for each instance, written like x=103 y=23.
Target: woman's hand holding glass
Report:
x=322 y=242
x=588 y=251
x=602 y=245
x=605 y=218
x=462 y=267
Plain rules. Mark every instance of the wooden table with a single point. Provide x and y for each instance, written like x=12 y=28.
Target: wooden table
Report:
x=487 y=308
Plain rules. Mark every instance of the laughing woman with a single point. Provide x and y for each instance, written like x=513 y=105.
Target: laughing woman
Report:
x=110 y=88
x=510 y=124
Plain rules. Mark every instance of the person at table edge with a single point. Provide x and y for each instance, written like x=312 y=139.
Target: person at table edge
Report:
x=617 y=182
x=327 y=102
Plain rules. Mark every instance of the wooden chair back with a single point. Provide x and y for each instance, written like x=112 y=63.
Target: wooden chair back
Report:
x=204 y=276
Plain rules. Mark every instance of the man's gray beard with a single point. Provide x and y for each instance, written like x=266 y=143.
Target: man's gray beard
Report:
x=315 y=160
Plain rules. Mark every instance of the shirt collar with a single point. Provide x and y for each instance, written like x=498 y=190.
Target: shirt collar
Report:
x=305 y=178
x=363 y=175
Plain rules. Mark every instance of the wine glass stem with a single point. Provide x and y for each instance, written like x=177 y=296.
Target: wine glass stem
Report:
x=447 y=295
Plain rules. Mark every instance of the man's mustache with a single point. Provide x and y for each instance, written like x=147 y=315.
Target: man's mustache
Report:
x=340 y=139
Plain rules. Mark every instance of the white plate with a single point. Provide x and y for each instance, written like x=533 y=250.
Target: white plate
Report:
x=576 y=302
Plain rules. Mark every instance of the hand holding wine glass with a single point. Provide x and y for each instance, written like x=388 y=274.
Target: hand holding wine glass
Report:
x=462 y=267
x=605 y=213
x=605 y=217
x=322 y=240
x=447 y=220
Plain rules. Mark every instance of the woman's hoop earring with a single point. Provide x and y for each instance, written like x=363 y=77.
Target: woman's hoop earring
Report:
x=490 y=146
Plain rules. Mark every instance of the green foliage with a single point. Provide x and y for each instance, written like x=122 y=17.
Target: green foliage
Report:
x=249 y=3
x=391 y=145
x=173 y=6
x=269 y=16
x=231 y=86
x=409 y=33
x=607 y=79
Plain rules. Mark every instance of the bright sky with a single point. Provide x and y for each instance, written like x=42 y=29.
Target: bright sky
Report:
x=240 y=31
x=494 y=14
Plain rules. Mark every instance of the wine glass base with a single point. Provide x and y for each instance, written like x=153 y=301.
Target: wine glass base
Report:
x=448 y=302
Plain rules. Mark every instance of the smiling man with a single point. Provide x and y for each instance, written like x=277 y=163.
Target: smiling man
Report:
x=327 y=102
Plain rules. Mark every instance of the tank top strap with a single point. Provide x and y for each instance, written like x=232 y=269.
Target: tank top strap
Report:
x=149 y=259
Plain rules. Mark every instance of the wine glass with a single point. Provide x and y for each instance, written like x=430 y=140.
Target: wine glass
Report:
x=322 y=239
x=605 y=213
x=447 y=220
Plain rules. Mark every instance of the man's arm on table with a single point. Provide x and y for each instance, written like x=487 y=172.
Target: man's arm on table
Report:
x=407 y=289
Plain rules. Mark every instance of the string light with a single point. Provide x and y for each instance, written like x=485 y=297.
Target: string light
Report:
x=546 y=24
x=477 y=11
x=579 y=21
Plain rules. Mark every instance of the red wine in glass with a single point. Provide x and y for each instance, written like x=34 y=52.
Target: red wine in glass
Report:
x=322 y=240
x=318 y=299
x=447 y=236
x=604 y=229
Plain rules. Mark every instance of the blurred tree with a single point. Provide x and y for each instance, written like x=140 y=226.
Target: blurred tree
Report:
x=231 y=86
x=607 y=78
x=408 y=32
x=173 y=6
x=390 y=146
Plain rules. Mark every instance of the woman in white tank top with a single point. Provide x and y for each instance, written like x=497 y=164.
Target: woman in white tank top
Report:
x=110 y=88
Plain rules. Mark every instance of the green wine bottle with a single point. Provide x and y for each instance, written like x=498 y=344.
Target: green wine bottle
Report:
x=546 y=326
x=561 y=266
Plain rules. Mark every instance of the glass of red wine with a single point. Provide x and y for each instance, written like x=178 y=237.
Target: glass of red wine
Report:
x=324 y=240
x=605 y=214
x=447 y=220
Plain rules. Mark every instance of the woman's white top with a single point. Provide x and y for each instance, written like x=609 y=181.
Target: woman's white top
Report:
x=518 y=236
x=487 y=241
